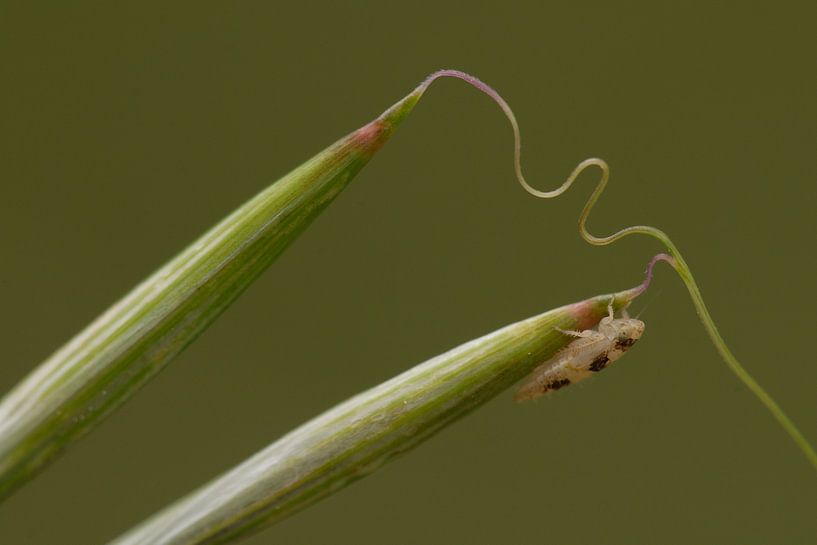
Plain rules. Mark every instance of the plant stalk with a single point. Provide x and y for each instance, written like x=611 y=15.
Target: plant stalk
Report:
x=94 y=373
x=358 y=436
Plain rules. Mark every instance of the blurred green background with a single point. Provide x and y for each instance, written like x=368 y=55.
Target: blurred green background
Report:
x=129 y=128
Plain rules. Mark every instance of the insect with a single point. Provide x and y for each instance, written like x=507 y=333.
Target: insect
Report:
x=590 y=353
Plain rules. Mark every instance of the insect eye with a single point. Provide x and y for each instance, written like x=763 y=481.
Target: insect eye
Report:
x=624 y=341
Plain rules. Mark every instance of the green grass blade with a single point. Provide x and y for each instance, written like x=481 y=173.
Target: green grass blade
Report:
x=358 y=436
x=100 y=368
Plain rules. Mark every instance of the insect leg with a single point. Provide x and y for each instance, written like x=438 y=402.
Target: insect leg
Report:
x=573 y=333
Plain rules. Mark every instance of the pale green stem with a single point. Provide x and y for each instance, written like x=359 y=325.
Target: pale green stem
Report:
x=679 y=264
x=358 y=436
x=101 y=367
x=677 y=261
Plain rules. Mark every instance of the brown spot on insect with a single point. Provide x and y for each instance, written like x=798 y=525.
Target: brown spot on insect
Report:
x=599 y=363
x=556 y=384
x=625 y=342
x=591 y=352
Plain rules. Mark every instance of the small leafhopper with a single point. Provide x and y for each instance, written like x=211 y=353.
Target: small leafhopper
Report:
x=590 y=353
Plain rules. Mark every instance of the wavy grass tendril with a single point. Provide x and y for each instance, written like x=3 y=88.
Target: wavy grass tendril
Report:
x=674 y=258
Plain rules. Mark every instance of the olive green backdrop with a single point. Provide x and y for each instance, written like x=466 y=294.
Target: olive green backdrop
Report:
x=129 y=128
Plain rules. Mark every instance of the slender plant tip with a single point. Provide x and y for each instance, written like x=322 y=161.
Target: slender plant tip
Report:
x=673 y=255
x=373 y=135
x=650 y=266
x=99 y=369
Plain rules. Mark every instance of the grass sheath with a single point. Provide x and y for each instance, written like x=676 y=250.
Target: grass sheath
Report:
x=95 y=372
x=356 y=437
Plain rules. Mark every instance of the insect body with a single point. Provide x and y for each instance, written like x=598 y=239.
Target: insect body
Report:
x=591 y=352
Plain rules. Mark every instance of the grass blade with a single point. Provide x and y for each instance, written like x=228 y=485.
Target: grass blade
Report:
x=100 y=368
x=358 y=436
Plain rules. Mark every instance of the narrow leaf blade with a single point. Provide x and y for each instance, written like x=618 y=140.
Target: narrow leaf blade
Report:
x=356 y=437
x=72 y=391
